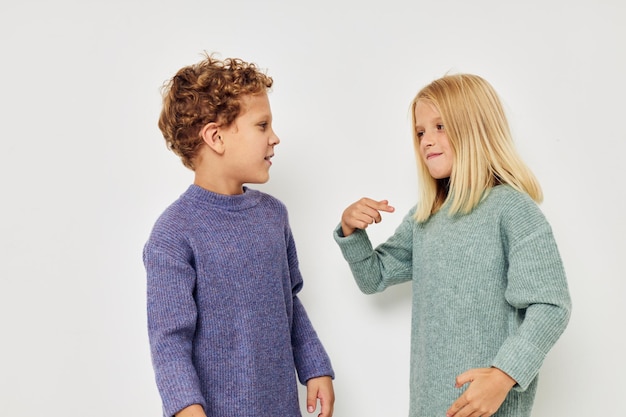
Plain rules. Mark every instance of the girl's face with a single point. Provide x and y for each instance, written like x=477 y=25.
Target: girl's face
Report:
x=434 y=146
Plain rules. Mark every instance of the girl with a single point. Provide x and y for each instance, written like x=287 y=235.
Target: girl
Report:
x=490 y=297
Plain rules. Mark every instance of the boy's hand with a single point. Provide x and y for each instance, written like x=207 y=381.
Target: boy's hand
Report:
x=487 y=390
x=362 y=213
x=320 y=388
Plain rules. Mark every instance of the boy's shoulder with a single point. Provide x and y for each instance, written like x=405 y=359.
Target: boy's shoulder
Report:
x=266 y=200
x=174 y=209
x=270 y=199
x=171 y=224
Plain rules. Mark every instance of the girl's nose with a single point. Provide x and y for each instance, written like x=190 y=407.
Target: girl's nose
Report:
x=426 y=140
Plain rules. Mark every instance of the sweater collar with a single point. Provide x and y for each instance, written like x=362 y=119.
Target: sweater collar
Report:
x=247 y=199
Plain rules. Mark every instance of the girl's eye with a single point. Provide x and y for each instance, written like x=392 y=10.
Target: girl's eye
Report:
x=419 y=134
x=263 y=125
x=440 y=126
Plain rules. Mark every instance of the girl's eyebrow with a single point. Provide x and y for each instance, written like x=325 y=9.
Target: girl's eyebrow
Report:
x=435 y=120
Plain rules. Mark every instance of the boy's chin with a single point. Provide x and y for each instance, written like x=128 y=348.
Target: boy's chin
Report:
x=259 y=180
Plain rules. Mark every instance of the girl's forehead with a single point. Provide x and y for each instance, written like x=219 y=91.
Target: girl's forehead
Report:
x=426 y=110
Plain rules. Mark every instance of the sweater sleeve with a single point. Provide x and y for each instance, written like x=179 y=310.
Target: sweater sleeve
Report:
x=172 y=317
x=389 y=264
x=310 y=357
x=536 y=287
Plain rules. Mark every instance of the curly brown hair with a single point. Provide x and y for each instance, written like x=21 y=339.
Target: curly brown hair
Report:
x=209 y=91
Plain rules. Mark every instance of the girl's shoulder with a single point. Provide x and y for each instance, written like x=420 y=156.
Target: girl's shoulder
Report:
x=515 y=209
x=505 y=195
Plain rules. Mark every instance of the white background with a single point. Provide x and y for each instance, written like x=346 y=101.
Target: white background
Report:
x=84 y=173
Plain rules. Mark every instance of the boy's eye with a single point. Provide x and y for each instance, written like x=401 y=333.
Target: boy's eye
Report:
x=263 y=125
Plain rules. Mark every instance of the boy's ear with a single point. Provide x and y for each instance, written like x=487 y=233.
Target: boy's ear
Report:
x=210 y=136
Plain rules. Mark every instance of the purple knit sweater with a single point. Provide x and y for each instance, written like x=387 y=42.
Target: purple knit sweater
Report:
x=226 y=327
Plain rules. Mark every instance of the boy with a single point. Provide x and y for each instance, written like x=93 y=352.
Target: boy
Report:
x=227 y=330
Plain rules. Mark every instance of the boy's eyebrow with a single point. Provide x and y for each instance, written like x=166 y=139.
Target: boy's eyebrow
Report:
x=264 y=116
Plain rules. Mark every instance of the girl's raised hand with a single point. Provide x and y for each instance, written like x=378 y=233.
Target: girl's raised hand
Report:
x=362 y=213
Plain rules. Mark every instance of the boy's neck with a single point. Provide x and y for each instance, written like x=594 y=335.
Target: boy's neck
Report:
x=208 y=174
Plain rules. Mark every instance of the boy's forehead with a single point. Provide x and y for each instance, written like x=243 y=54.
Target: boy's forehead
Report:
x=255 y=103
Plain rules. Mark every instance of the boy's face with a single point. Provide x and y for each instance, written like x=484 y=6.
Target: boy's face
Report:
x=249 y=144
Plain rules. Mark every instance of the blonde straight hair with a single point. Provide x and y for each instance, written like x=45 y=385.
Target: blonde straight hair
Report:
x=479 y=134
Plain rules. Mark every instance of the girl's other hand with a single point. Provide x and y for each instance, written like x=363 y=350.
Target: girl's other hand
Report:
x=487 y=390
x=362 y=213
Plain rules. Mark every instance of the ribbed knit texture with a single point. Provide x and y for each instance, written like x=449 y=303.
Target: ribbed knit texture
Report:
x=226 y=327
x=489 y=289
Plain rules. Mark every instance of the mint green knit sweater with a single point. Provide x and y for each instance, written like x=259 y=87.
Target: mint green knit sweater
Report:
x=489 y=289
